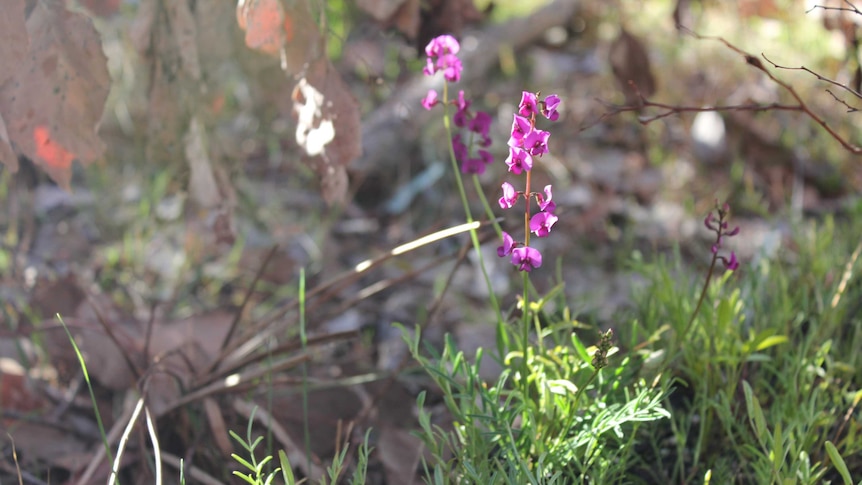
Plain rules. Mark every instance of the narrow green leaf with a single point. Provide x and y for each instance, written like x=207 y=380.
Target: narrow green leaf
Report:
x=771 y=342
x=838 y=463
x=246 y=478
x=755 y=413
x=286 y=469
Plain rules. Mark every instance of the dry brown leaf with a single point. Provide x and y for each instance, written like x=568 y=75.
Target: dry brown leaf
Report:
x=141 y=30
x=328 y=127
x=408 y=18
x=184 y=28
x=630 y=64
x=218 y=426
x=54 y=99
x=400 y=451
x=7 y=155
x=381 y=10
x=202 y=182
x=445 y=17
x=14 y=42
x=266 y=26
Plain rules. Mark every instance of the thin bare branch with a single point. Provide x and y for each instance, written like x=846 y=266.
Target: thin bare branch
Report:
x=818 y=76
x=756 y=63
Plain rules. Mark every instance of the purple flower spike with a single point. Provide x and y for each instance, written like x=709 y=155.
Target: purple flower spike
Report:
x=509 y=198
x=429 y=68
x=443 y=44
x=526 y=258
x=477 y=165
x=481 y=123
x=536 y=142
x=508 y=244
x=519 y=160
x=462 y=115
x=520 y=127
x=460 y=149
x=545 y=203
x=430 y=99
x=549 y=107
x=529 y=105
x=451 y=67
x=541 y=223
x=708 y=221
x=731 y=264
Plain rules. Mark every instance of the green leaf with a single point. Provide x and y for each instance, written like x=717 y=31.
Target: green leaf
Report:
x=755 y=413
x=771 y=342
x=246 y=478
x=581 y=349
x=838 y=462
x=286 y=469
x=242 y=461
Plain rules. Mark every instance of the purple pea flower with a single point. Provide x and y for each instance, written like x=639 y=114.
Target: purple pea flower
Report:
x=509 y=198
x=429 y=68
x=536 y=142
x=430 y=100
x=477 y=165
x=520 y=127
x=451 y=66
x=460 y=149
x=526 y=258
x=549 y=107
x=462 y=115
x=731 y=264
x=545 y=203
x=481 y=124
x=529 y=105
x=443 y=44
x=508 y=245
x=519 y=160
x=541 y=223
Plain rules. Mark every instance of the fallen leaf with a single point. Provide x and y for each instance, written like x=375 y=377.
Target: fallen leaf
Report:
x=328 y=127
x=7 y=155
x=101 y=8
x=630 y=64
x=408 y=18
x=185 y=33
x=381 y=10
x=14 y=42
x=445 y=17
x=400 y=451
x=53 y=101
x=266 y=26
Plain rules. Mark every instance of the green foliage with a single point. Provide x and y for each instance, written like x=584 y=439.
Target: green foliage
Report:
x=554 y=419
x=768 y=373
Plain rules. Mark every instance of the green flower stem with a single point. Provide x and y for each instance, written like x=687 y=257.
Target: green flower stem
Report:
x=474 y=237
x=488 y=211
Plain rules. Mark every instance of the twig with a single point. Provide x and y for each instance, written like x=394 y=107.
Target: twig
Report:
x=247 y=298
x=756 y=63
x=840 y=9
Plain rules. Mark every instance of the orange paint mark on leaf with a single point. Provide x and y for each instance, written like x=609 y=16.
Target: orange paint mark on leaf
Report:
x=51 y=152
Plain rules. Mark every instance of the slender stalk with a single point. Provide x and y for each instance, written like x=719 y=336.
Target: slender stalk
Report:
x=700 y=300
x=474 y=237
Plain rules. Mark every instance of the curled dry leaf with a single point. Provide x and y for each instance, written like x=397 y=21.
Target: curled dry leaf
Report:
x=52 y=99
x=381 y=10
x=266 y=26
x=328 y=127
x=630 y=64
x=328 y=117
